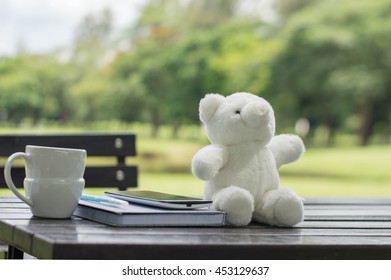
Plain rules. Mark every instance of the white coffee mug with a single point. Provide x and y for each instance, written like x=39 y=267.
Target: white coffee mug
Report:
x=54 y=179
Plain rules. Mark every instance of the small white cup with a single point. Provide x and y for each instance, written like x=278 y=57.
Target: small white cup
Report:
x=54 y=180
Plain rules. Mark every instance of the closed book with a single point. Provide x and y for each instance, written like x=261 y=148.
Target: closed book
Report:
x=140 y=215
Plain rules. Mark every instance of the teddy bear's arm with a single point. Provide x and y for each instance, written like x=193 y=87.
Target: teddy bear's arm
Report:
x=286 y=148
x=208 y=161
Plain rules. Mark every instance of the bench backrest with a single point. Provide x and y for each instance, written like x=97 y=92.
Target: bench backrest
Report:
x=120 y=146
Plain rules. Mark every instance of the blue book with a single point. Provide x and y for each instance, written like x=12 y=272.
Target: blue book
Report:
x=140 y=215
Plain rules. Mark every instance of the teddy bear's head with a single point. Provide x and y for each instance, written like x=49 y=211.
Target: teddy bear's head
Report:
x=238 y=118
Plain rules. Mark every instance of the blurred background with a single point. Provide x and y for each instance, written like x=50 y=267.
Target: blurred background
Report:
x=143 y=66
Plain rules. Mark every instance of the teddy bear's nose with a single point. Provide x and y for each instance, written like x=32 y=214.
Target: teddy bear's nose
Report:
x=256 y=114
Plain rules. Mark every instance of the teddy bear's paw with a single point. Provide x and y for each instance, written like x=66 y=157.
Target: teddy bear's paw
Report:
x=279 y=207
x=204 y=170
x=286 y=148
x=288 y=210
x=208 y=161
x=237 y=203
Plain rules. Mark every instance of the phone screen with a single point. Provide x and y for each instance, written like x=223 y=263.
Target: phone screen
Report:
x=158 y=195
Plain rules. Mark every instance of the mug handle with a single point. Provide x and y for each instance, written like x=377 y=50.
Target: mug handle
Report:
x=8 y=178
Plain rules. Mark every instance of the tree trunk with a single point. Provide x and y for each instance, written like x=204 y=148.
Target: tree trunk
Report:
x=367 y=122
x=331 y=136
x=175 y=128
x=155 y=122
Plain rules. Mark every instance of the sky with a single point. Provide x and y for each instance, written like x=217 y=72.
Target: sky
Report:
x=43 y=25
x=40 y=26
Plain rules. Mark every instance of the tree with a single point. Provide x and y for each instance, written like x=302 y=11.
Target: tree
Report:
x=243 y=60
x=336 y=63
x=179 y=53
x=172 y=45
x=92 y=40
x=92 y=45
x=31 y=88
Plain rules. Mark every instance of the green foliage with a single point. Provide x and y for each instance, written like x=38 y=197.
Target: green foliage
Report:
x=171 y=61
x=244 y=59
x=30 y=88
x=326 y=61
x=335 y=55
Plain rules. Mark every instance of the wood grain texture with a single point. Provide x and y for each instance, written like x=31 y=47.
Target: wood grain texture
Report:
x=96 y=144
x=361 y=234
x=118 y=145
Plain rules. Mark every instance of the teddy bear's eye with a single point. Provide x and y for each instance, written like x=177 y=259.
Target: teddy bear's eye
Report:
x=237 y=112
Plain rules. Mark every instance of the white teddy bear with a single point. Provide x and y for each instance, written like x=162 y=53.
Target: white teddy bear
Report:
x=240 y=167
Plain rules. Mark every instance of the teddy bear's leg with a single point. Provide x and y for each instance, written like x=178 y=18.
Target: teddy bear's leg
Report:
x=237 y=203
x=279 y=207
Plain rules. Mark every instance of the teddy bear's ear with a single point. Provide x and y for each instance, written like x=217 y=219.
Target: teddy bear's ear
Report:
x=209 y=105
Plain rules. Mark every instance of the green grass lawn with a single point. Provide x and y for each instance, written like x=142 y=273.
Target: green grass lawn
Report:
x=164 y=165
x=354 y=171
x=351 y=171
x=347 y=171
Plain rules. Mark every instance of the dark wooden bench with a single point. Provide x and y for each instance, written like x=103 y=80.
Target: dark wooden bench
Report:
x=100 y=145
x=114 y=148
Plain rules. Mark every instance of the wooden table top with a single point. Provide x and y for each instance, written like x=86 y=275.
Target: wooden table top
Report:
x=334 y=228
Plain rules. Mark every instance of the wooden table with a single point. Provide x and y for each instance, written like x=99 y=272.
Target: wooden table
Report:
x=334 y=228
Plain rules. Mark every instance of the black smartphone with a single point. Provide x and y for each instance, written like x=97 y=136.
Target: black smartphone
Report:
x=159 y=199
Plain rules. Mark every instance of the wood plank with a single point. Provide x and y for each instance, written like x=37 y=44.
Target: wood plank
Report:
x=16 y=216
x=23 y=239
x=89 y=226
x=9 y=198
x=95 y=176
x=206 y=251
x=13 y=206
x=321 y=200
x=335 y=232
x=84 y=226
x=347 y=207
x=346 y=224
x=115 y=144
x=14 y=210
x=118 y=145
x=265 y=247
x=347 y=218
x=354 y=212
x=86 y=236
x=17 y=231
x=175 y=239
x=73 y=222
x=309 y=203
x=107 y=232
x=104 y=177
x=6 y=232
